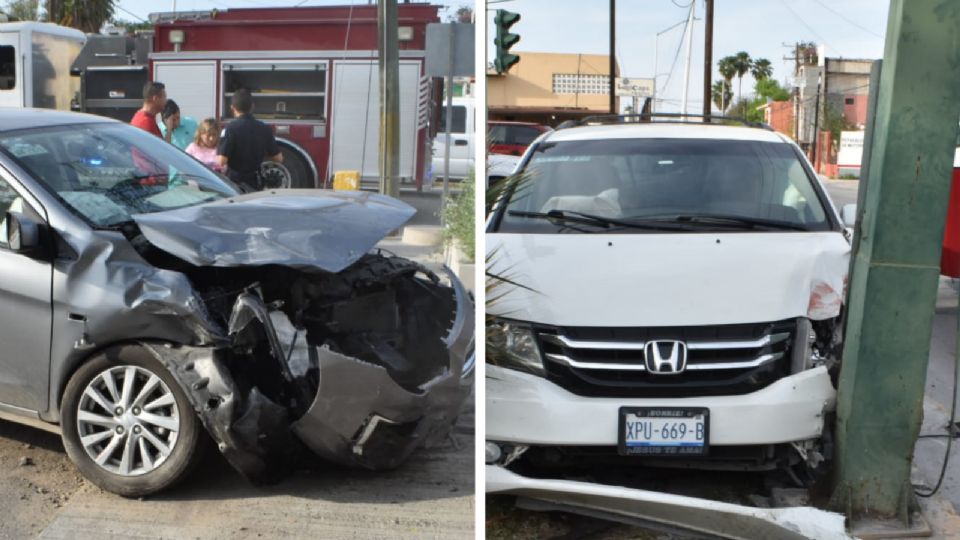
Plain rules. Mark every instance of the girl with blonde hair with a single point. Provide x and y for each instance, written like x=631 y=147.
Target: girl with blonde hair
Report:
x=204 y=145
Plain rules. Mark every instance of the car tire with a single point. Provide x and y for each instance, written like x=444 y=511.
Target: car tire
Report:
x=301 y=175
x=156 y=440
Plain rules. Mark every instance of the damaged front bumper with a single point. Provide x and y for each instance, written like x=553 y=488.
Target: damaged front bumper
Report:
x=343 y=408
x=669 y=512
x=361 y=416
x=530 y=410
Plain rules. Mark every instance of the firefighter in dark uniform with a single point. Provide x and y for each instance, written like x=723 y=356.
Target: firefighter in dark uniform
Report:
x=246 y=143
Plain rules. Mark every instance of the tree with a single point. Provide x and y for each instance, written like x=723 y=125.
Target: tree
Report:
x=741 y=108
x=722 y=94
x=132 y=27
x=728 y=69
x=834 y=121
x=742 y=62
x=765 y=90
x=771 y=89
x=464 y=14
x=761 y=69
x=22 y=10
x=86 y=15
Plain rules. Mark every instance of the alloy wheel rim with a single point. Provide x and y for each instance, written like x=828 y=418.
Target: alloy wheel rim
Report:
x=128 y=420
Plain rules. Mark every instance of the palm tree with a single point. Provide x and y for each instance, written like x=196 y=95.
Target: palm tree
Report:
x=86 y=15
x=728 y=70
x=761 y=69
x=22 y=10
x=741 y=61
x=722 y=94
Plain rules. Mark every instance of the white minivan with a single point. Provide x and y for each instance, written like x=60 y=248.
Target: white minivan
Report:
x=461 y=140
x=666 y=293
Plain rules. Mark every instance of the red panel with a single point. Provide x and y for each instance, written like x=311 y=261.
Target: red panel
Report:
x=950 y=259
x=295 y=29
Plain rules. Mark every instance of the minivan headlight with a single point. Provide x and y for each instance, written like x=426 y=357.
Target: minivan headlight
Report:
x=513 y=345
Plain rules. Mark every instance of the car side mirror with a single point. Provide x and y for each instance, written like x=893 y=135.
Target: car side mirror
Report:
x=23 y=233
x=849 y=215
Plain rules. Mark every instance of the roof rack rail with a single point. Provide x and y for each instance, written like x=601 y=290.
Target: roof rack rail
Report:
x=672 y=118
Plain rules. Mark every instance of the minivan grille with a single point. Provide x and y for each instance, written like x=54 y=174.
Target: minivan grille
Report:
x=721 y=360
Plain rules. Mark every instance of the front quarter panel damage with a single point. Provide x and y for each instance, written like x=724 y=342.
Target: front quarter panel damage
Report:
x=359 y=355
x=357 y=413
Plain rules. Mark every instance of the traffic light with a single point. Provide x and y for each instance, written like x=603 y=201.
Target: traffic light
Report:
x=504 y=40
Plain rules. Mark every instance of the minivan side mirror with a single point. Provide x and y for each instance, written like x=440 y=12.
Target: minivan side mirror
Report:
x=23 y=233
x=849 y=215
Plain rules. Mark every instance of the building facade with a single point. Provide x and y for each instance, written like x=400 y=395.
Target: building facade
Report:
x=549 y=88
x=843 y=86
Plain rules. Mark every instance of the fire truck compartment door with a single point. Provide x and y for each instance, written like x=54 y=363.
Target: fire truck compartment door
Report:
x=11 y=70
x=356 y=117
x=193 y=85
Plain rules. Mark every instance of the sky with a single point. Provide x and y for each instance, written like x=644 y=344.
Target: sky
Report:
x=848 y=28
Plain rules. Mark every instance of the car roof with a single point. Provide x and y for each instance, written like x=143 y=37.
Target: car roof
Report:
x=665 y=130
x=13 y=119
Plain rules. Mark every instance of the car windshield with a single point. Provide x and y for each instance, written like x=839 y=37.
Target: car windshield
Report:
x=701 y=184
x=106 y=173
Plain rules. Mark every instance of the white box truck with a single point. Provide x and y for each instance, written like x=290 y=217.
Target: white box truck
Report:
x=35 y=61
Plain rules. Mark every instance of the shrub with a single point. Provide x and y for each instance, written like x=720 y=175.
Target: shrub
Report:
x=459 y=218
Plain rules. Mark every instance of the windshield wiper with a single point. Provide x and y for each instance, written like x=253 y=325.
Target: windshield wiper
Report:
x=744 y=222
x=599 y=221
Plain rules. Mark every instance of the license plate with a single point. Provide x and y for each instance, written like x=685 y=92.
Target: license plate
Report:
x=655 y=431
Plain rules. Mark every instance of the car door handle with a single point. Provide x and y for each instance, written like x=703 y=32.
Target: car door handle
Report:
x=460 y=142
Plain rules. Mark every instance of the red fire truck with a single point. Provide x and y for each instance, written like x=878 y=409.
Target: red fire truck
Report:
x=313 y=74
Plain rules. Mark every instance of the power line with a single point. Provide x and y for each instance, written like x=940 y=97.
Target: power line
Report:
x=854 y=23
x=128 y=12
x=804 y=23
x=677 y=55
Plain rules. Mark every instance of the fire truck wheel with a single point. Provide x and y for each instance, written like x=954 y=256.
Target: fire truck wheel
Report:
x=300 y=175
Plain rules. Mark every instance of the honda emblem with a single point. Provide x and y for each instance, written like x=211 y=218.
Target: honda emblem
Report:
x=665 y=357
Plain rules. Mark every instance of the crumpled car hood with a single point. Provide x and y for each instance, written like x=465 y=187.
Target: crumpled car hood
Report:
x=668 y=279
x=302 y=228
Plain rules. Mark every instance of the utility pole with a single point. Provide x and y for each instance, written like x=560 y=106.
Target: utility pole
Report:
x=613 y=58
x=816 y=124
x=796 y=92
x=686 y=71
x=448 y=129
x=796 y=88
x=389 y=62
x=708 y=62
x=896 y=268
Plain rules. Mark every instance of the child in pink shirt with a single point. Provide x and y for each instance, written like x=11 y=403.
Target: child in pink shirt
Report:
x=204 y=145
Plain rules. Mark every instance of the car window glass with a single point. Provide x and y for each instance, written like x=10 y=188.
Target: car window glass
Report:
x=8 y=67
x=459 y=120
x=107 y=173
x=498 y=135
x=652 y=178
x=524 y=135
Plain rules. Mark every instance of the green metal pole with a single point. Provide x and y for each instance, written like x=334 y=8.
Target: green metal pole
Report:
x=896 y=267
x=389 y=63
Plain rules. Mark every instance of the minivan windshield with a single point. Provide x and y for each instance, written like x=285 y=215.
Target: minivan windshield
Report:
x=108 y=172
x=680 y=185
